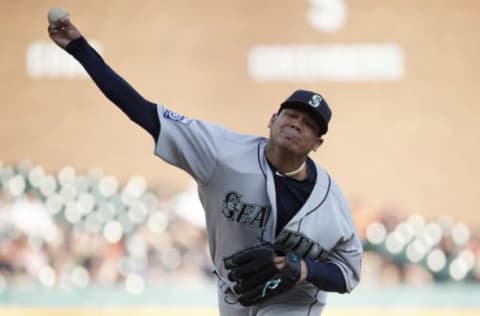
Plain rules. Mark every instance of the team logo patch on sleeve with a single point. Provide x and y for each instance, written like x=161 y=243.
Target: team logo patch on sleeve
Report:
x=176 y=117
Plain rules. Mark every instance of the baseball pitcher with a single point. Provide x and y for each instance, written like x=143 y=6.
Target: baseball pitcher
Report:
x=281 y=233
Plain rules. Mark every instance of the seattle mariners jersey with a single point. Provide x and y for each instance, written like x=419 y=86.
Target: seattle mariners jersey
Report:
x=237 y=190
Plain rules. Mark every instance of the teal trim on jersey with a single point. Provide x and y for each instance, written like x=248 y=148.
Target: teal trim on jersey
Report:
x=319 y=204
x=313 y=303
x=260 y=159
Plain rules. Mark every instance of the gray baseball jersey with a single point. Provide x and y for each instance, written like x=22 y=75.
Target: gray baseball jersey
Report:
x=237 y=191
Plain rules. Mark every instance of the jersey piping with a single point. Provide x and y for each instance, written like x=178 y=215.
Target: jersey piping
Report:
x=318 y=206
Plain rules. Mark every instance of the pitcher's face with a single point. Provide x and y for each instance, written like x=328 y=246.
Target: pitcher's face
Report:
x=295 y=131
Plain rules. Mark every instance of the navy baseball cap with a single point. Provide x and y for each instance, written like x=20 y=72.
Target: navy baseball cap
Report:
x=312 y=103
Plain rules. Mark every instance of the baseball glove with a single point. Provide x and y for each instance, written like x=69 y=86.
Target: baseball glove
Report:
x=255 y=275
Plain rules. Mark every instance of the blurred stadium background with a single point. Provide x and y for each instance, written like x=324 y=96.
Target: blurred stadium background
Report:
x=92 y=223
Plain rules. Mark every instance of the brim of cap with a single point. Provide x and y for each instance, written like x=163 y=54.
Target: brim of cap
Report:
x=322 y=125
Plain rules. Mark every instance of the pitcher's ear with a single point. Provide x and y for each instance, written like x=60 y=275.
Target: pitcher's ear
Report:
x=272 y=119
x=318 y=143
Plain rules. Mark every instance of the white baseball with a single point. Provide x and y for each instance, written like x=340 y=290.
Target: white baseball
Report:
x=57 y=14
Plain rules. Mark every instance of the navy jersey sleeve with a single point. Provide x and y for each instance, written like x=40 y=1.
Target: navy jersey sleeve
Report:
x=115 y=88
x=326 y=276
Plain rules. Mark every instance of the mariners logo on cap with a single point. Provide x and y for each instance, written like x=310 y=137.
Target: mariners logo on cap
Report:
x=315 y=100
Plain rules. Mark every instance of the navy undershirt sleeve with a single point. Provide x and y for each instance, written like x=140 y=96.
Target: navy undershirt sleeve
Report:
x=115 y=88
x=326 y=276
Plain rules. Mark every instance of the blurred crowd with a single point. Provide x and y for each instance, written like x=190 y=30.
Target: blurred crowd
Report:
x=409 y=249
x=70 y=230
x=67 y=230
